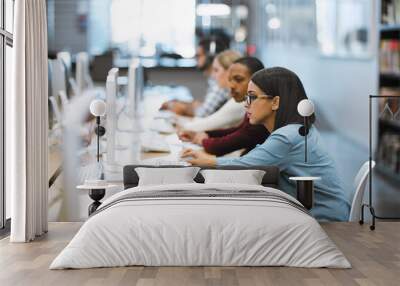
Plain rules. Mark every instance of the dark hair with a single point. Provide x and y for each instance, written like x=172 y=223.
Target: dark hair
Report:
x=286 y=84
x=206 y=44
x=253 y=64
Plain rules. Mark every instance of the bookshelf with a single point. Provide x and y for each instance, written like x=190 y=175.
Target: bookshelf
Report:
x=388 y=148
x=387 y=28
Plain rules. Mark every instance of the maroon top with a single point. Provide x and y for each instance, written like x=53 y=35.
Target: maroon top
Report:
x=245 y=136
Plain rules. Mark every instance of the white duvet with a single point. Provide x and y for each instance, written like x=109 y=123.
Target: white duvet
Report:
x=200 y=231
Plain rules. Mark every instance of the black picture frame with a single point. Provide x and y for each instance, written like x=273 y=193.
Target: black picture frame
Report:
x=370 y=203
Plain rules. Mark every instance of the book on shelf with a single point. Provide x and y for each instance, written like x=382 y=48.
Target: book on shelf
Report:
x=390 y=12
x=389 y=108
x=389 y=57
x=388 y=151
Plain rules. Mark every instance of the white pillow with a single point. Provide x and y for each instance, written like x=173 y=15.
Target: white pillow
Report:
x=248 y=177
x=166 y=176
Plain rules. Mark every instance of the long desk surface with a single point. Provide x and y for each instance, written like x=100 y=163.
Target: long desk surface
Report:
x=66 y=202
x=130 y=141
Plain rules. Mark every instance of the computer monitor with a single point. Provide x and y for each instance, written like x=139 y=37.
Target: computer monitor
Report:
x=58 y=78
x=66 y=58
x=57 y=94
x=82 y=74
x=111 y=113
x=135 y=87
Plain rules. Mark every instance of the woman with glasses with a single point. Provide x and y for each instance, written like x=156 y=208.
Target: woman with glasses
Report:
x=244 y=136
x=273 y=96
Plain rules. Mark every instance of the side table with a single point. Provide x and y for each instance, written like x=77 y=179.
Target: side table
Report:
x=96 y=193
x=305 y=190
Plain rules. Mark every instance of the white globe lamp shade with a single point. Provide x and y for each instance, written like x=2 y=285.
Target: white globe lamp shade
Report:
x=305 y=107
x=98 y=107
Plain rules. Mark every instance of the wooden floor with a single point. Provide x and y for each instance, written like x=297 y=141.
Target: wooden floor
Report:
x=375 y=257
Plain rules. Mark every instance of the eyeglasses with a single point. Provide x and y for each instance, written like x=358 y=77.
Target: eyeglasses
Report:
x=251 y=97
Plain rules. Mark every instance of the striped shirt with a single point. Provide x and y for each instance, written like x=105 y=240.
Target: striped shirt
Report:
x=214 y=99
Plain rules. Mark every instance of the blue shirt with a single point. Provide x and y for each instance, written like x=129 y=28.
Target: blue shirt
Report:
x=285 y=149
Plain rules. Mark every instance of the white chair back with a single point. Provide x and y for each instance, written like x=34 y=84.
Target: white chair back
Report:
x=64 y=99
x=74 y=86
x=58 y=78
x=360 y=183
x=56 y=109
x=82 y=74
x=66 y=58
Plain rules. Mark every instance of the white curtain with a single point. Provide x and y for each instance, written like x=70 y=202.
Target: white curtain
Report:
x=27 y=123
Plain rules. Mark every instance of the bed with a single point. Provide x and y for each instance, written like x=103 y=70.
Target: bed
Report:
x=201 y=224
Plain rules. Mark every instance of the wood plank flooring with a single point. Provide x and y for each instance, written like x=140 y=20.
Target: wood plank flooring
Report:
x=375 y=257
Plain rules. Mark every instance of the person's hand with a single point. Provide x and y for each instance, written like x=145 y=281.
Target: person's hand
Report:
x=192 y=136
x=199 y=137
x=167 y=105
x=185 y=135
x=177 y=107
x=199 y=158
x=180 y=108
x=196 y=104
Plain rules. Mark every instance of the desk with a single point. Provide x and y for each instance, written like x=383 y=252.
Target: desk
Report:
x=131 y=130
x=72 y=203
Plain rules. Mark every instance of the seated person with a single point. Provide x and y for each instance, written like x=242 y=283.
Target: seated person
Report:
x=245 y=136
x=273 y=96
x=232 y=112
x=215 y=97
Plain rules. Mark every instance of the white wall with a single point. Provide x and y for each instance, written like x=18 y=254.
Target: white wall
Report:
x=99 y=26
x=64 y=32
x=339 y=87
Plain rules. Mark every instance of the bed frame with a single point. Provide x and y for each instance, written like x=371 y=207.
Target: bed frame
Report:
x=270 y=179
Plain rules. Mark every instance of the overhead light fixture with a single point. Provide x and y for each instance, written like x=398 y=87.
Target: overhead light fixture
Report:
x=274 y=23
x=242 y=12
x=213 y=10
